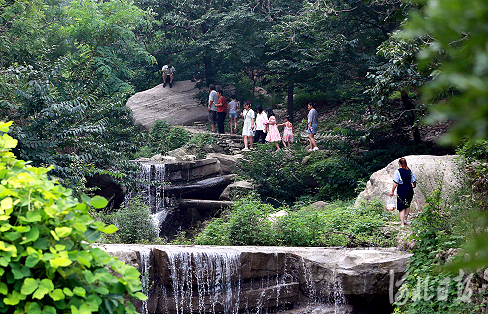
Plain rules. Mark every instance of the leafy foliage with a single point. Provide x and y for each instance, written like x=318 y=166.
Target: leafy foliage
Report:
x=163 y=138
x=429 y=287
x=276 y=174
x=337 y=224
x=48 y=264
x=133 y=221
x=79 y=136
x=459 y=41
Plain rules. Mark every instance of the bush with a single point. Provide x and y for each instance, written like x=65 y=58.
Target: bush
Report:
x=436 y=231
x=163 y=138
x=278 y=174
x=47 y=262
x=339 y=224
x=134 y=223
x=247 y=224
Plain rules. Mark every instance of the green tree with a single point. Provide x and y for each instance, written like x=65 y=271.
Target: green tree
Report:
x=458 y=49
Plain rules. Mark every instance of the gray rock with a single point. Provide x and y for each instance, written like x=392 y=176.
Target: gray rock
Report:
x=264 y=276
x=227 y=162
x=432 y=172
x=177 y=105
x=242 y=186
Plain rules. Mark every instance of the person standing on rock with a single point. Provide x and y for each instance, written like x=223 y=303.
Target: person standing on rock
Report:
x=213 y=98
x=248 y=128
x=313 y=123
x=260 y=125
x=405 y=180
x=221 y=111
x=168 y=71
x=273 y=135
x=234 y=105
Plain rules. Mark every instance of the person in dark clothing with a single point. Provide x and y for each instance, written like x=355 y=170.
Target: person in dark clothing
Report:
x=405 y=181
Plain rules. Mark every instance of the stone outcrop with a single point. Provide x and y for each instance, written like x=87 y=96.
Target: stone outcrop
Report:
x=196 y=279
x=177 y=105
x=227 y=162
x=432 y=172
x=237 y=187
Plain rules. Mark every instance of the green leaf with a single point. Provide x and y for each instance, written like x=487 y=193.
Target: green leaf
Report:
x=14 y=298
x=79 y=291
x=45 y=286
x=31 y=236
x=57 y=294
x=34 y=308
x=49 y=310
x=29 y=286
x=98 y=202
x=92 y=235
x=110 y=229
x=85 y=309
x=32 y=261
x=93 y=301
x=3 y=288
x=60 y=262
x=68 y=292
x=141 y=296
x=12 y=236
x=63 y=231
x=102 y=290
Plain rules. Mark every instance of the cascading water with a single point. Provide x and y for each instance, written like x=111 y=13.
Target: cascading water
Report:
x=205 y=282
x=145 y=258
x=150 y=188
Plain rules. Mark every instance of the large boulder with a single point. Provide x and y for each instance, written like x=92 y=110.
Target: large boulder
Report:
x=432 y=172
x=177 y=105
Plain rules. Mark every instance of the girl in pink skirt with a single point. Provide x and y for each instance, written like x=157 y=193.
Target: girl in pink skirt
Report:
x=287 y=132
x=273 y=133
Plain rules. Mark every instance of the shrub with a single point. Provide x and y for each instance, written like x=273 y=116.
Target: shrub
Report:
x=278 y=174
x=48 y=264
x=163 y=138
x=247 y=224
x=134 y=223
x=339 y=224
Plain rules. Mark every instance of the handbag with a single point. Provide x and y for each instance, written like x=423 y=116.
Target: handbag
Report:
x=391 y=204
x=251 y=132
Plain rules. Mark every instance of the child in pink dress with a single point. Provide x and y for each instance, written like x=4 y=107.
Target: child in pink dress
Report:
x=287 y=132
x=273 y=133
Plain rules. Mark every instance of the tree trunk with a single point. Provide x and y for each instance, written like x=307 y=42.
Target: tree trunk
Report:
x=289 y=105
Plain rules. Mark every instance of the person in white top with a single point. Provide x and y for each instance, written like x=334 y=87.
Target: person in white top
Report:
x=168 y=71
x=260 y=125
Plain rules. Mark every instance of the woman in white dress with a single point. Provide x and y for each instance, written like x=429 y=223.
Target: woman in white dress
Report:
x=247 y=130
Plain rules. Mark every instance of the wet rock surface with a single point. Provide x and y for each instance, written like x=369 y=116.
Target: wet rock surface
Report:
x=207 y=279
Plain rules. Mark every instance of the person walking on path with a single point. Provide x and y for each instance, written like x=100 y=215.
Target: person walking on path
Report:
x=287 y=132
x=213 y=98
x=260 y=125
x=248 y=127
x=168 y=70
x=221 y=111
x=405 y=181
x=234 y=105
x=273 y=135
x=313 y=123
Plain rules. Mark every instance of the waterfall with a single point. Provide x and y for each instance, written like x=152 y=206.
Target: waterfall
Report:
x=145 y=259
x=205 y=282
x=150 y=188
